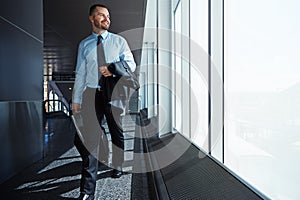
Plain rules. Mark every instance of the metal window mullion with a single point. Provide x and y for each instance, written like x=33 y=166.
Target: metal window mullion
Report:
x=209 y=77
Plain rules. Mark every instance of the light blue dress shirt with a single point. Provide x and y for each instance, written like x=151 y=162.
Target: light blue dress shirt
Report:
x=115 y=49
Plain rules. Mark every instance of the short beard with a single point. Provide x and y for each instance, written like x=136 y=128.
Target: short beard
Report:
x=99 y=26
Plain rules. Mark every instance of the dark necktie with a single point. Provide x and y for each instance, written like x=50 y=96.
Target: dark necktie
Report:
x=99 y=40
x=100 y=54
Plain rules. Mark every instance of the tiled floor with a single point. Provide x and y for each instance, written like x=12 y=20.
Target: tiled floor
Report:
x=57 y=175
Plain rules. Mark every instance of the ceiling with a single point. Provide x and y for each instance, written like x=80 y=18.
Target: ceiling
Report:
x=66 y=24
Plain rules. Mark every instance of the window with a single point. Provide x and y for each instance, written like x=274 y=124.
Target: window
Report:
x=262 y=73
x=199 y=68
x=176 y=97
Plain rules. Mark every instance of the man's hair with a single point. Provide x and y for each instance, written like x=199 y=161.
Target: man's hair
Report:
x=93 y=8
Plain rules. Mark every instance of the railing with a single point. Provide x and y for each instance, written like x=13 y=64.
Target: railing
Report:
x=55 y=106
x=55 y=102
x=60 y=77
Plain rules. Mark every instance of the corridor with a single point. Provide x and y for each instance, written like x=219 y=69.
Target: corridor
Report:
x=57 y=175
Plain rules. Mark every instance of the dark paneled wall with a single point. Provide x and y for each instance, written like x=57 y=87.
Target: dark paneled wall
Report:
x=21 y=136
x=21 y=85
x=21 y=71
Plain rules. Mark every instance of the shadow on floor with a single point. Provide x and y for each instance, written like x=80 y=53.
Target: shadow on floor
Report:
x=57 y=175
x=61 y=182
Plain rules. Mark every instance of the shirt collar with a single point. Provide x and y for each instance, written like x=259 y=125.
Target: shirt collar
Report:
x=104 y=35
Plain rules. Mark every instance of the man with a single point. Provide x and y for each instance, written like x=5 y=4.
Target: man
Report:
x=89 y=101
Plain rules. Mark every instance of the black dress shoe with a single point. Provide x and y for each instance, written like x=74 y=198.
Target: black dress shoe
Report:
x=117 y=173
x=86 y=197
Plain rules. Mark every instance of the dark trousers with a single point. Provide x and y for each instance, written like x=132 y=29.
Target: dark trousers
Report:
x=114 y=122
x=91 y=141
x=87 y=141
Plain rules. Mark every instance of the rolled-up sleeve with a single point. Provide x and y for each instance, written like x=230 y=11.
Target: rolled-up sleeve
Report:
x=80 y=73
x=126 y=55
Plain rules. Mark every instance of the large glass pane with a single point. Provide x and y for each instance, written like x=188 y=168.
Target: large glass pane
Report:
x=262 y=94
x=177 y=71
x=185 y=68
x=199 y=67
x=148 y=69
x=216 y=79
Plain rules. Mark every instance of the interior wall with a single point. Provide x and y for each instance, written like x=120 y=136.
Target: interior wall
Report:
x=21 y=85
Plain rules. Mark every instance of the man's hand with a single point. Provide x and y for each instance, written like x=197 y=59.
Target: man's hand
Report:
x=104 y=71
x=76 y=108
